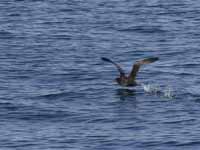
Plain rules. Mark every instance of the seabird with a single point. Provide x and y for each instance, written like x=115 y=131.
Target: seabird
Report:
x=129 y=80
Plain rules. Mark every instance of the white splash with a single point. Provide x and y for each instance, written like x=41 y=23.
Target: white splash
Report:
x=166 y=92
x=150 y=88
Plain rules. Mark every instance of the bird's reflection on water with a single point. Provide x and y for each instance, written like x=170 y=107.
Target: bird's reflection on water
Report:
x=127 y=99
x=126 y=94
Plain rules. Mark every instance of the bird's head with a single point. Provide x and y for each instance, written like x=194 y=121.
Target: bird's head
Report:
x=118 y=80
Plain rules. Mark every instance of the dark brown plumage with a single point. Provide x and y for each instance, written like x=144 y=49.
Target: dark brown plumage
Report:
x=130 y=79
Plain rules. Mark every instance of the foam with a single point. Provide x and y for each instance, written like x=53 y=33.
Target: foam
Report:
x=166 y=92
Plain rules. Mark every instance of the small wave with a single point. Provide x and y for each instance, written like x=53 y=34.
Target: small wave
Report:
x=166 y=92
x=192 y=143
x=142 y=30
x=6 y=34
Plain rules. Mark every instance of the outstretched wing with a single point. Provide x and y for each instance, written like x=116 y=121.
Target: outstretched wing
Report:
x=118 y=67
x=137 y=65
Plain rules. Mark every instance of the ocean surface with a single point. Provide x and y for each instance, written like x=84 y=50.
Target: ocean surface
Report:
x=56 y=93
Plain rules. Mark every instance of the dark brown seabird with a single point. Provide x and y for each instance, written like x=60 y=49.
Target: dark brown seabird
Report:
x=129 y=80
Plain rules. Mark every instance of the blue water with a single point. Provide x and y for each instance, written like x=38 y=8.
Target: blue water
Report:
x=56 y=93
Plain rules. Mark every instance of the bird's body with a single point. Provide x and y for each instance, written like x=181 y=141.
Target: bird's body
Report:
x=130 y=80
x=124 y=81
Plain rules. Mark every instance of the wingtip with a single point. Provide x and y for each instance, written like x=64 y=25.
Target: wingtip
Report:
x=105 y=59
x=149 y=60
x=154 y=59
